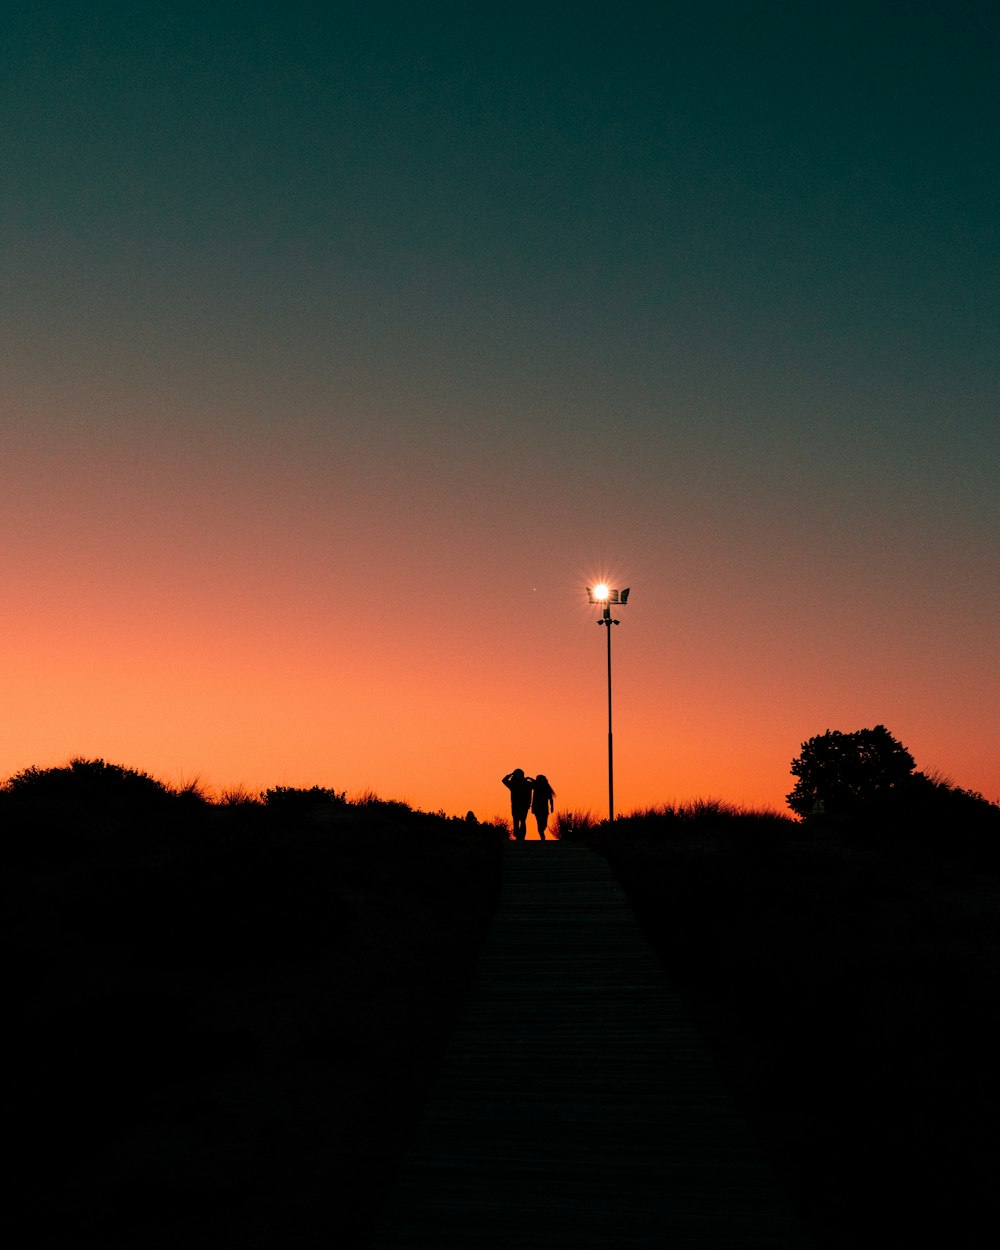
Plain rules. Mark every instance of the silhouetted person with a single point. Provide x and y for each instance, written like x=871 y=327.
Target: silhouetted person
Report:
x=542 y=795
x=520 y=801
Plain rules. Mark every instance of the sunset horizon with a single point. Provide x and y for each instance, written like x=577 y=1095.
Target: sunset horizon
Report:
x=345 y=348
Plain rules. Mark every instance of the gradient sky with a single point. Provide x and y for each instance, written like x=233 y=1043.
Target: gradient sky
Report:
x=343 y=343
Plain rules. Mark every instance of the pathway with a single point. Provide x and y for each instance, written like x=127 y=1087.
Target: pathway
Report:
x=577 y=1105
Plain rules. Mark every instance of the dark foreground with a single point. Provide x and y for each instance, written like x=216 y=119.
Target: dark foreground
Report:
x=224 y=1026
x=225 y=1021
x=848 y=987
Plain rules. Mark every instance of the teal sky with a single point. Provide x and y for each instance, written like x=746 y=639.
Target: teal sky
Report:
x=483 y=297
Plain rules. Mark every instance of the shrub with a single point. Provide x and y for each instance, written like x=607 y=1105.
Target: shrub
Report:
x=290 y=797
x=88 y=783
x=937 y=813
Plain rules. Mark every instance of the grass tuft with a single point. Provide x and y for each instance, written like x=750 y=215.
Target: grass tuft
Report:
x=572 y=826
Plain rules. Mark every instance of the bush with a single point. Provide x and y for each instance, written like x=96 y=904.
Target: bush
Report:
x=289 y=798
x=88 y=783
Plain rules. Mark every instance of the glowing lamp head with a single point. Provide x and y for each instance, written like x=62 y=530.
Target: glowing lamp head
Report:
x=602 y=593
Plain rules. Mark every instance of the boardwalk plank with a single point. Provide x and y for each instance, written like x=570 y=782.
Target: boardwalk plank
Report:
x=577 y=1104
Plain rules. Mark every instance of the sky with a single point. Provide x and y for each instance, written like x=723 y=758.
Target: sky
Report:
x=342 y=345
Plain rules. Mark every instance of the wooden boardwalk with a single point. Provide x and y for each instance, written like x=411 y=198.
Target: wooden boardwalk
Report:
x=577 y=1105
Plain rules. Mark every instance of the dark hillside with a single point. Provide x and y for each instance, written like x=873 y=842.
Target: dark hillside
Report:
x=225 y=1017
x=850 y=993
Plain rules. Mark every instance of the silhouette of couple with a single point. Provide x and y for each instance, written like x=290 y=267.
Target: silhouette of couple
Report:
x=529 y=794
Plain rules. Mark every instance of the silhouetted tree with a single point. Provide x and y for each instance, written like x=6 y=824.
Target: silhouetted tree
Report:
x=847 y=773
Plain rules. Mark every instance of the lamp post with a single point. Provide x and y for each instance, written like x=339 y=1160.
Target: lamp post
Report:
x=604 y=595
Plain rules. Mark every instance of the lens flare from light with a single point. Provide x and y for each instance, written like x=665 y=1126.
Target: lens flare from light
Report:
x=602 y=593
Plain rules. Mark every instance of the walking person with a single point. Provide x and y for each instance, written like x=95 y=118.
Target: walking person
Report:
x=520 y=801
x=542 y=796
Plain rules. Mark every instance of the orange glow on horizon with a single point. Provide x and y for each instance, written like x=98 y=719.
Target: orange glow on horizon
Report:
x=220 y=646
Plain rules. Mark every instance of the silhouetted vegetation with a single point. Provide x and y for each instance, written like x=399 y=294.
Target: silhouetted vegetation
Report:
x=89 y=783
x=843 y=773
x=225 y=1014
x=866 y=785
x=316 y=801
x=847 y=986
x=572 y=826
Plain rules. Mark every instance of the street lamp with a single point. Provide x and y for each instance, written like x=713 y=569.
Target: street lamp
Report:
x=605 y=596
